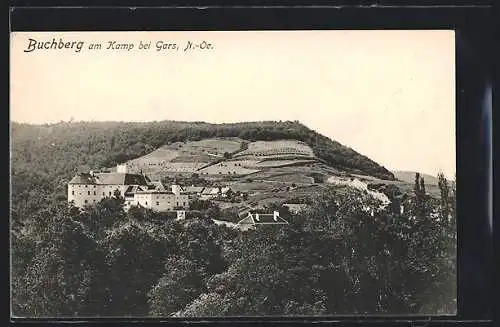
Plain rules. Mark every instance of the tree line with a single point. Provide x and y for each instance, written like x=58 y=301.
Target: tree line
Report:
x=334 y=258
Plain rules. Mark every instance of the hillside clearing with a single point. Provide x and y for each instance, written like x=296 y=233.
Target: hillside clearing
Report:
x=276 y=149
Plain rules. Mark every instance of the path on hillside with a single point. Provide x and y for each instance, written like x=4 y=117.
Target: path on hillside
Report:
x=283 y=182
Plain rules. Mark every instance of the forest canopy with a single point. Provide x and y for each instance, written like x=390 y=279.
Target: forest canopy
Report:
x=335 y=258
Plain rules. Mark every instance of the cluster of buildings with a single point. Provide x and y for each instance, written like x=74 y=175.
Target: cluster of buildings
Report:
x=137 y=189
x=86 y=189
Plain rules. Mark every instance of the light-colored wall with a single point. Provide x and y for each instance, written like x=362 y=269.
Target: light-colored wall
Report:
x=83 y=195
x=161 y=202
x=92 y=193
x=176 y=189
x=122 y=168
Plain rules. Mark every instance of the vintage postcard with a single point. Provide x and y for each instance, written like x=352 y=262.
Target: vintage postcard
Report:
x=227 y=174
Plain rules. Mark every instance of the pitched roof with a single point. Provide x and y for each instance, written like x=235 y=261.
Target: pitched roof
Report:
x=110 y=179
x=259 y=218
x=157 y=185
x=121 y=179
x=246 y=221
x=244 y=212
x=268 y=219
x=82 y=178
x=194 y=189
x=154 y=192
x=134 y=189
x=207 y=190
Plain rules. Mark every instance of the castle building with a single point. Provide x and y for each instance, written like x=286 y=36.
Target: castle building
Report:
x=137 y=189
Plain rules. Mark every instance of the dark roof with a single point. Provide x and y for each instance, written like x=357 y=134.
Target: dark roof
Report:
x=193 y=189
x=267 y=218
x=82 y=178
x=246 y=221
x=154 y=192
x=157 y=185
x=134 y=189
x=262 y=219
x=207 y=190
x=110 y=179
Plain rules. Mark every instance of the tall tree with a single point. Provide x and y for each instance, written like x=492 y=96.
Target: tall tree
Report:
x=417 y=184
x=422 y=186
x=420 y=205
x=445 y=197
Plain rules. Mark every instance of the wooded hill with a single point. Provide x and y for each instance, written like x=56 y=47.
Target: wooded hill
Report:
x=60 y=149
x=68 y=262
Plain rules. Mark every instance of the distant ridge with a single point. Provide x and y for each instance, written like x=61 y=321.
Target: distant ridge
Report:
x=409 y=177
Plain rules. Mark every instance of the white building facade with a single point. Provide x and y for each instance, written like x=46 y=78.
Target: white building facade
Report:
x=90 y=188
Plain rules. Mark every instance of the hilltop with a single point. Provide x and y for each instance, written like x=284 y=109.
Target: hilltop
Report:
x=265 y=158
x=64 y=147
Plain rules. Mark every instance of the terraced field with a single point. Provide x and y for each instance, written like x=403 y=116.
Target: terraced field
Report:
x=211 y=147
x=227 y=168
x=279 y=162
x=282 y=163
x=276 y=149
x=186 y=157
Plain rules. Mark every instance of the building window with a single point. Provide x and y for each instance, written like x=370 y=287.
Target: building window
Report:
x=146 y=202
x=94 y=186
x=109 y=193
x=88 y=193
x=157 y=203
x=184 y=203
x=86 y=201
x=94 y=193
x=177 y=204
x=103 y=193
x=86 y=185
x=72 y=192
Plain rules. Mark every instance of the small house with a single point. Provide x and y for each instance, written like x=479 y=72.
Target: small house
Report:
x=254 y=219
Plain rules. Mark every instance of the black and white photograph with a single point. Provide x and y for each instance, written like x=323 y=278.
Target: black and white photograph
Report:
x=189 y=174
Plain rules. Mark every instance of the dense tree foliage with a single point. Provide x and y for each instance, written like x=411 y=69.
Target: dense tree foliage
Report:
x=345 y=254
x=45 y=157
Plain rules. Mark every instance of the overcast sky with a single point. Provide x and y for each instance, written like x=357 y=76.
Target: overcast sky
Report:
x=389 y=95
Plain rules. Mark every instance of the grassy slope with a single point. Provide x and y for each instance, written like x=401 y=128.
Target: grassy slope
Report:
x=64 y=147
x=409 y=177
